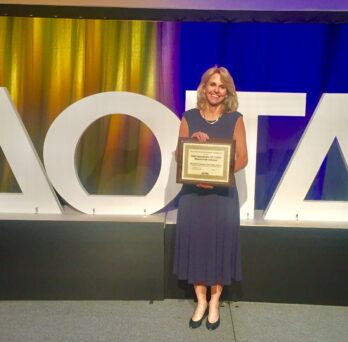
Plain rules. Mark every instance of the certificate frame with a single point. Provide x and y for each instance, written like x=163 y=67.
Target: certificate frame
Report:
x=210 y=162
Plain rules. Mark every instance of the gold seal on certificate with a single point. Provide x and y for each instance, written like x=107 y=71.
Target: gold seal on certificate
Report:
x=211 y=162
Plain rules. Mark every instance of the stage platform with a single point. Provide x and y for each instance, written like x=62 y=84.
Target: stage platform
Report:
x=88 y=257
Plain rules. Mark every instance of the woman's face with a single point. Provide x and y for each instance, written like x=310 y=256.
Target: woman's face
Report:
x=215 y=91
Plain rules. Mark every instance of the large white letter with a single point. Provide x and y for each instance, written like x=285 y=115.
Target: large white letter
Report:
x=252 y=105
x=37 y=195
x=330 y=120
x=66 y=131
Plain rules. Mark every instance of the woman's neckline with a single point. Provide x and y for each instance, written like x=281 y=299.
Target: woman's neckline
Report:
x=210 y=122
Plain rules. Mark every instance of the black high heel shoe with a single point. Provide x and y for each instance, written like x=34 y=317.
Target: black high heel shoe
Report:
x=196 y=324
x=213 y=326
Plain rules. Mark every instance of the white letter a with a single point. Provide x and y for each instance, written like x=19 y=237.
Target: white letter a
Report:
x=37 y=194
x=329 y=121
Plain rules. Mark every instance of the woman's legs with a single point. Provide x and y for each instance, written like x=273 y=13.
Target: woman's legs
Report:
x=214 y=303
x=202 y=304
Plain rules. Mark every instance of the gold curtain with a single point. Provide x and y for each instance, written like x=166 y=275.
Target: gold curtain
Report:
x=47 y=64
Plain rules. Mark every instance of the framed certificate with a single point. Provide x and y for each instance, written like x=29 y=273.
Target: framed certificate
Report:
x=211 y=162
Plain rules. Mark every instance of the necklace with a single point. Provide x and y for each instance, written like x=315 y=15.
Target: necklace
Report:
x=211 y=122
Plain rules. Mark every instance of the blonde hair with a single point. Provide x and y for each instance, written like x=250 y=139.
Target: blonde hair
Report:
x=230 y=103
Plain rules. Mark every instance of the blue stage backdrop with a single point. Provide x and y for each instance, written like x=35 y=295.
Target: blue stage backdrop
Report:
x=270 y=57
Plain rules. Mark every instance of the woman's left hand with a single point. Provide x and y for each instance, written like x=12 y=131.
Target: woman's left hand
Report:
x=204 y=186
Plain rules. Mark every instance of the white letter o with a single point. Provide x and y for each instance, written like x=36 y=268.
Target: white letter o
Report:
x=65 y=132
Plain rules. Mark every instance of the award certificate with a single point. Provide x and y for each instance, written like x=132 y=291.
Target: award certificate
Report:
x=210 y=162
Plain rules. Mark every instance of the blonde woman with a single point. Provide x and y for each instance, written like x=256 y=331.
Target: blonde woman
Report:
x=207 y=252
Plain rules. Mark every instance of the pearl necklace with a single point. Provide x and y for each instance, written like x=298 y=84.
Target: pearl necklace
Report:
x=211 y=122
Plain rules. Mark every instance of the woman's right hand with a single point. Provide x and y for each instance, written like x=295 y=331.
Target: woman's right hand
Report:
x=200 y=136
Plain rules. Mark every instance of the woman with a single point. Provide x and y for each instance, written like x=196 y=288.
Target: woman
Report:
x=207 y=251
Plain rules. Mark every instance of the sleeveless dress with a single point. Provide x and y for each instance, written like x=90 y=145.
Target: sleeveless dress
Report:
x=207 y=249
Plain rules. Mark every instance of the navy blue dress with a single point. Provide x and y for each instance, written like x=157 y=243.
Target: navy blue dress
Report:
x=207 y=249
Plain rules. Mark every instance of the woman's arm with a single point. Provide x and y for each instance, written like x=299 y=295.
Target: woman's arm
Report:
x=184 y=133
x=184 y=129
x=241 y=147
